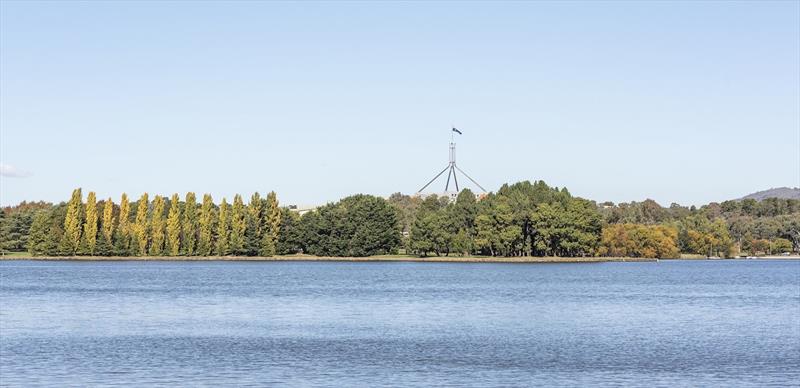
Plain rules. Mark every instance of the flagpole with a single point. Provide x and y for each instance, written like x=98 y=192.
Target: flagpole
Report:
x=452 y=167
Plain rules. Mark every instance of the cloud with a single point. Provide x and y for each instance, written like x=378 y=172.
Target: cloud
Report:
x=10 y=171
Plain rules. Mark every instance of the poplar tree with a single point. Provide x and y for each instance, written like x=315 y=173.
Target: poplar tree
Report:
x=72 y=224
x=174 y=226
x=90 y=226
x=105 y=237
x=157 y=227
x=108 y=220
x=189 y=225
x=141 y=227
x=255 y=219
x=223 y=229
x=123 y=242
x=271 y=226
x=205 y=238
x=238 y=226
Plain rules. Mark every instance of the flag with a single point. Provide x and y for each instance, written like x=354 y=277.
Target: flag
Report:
x=457 y=131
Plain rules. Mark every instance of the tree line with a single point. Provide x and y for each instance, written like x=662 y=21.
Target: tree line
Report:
x=158 y=227
x=520 y=219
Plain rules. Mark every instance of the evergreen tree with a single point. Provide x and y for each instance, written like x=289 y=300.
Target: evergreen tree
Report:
x=495 y=229
x=290 y=239
x=90 y=224
x=39 y=231
x=205 y=240
x=157 y=226
x=108 y=220
x=238 y=226
x=174 y=226
x=73 y=221
x=141 y=228
x=122 y=241
x=224 y=229
x=360 y=225
x=255 y=219
x=189 y=225
x=271 y=228
x=433 y=230
x=52 y=244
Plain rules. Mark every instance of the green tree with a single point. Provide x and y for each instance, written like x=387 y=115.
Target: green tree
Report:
x=90 y=224
x=290 y=239
x=359 y=225
x=224 y=229
x=780 y=245
x=157 y=226
x=205 y=238
x=255 y=221
x=72 y=224
x=496 y=232
x=141 y=227
x=434 y=228
x=463 y=242
x=52 y=244
x=238 y=226
x=189 y=225
x=174 y=226
x=699 y=235
x=271 y=227
x=39 y=232
x=15 y=228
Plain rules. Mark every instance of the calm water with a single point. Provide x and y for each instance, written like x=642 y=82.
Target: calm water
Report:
x=732 y=323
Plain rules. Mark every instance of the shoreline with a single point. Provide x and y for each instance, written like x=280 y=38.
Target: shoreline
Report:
x=383 y=258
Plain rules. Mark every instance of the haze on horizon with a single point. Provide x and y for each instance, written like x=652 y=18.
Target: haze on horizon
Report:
x=678 y=102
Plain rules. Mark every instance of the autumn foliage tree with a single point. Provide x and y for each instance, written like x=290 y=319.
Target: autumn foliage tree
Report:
x=90 y=224
x=638 y=240
x=73 y=222
x=174 y=226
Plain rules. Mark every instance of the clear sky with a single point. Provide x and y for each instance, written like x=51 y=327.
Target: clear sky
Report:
x=675 y=101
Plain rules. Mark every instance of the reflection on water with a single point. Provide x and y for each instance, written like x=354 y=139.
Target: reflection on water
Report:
x=733 y=323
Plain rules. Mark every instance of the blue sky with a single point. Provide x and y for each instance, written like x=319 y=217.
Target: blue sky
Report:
x=676 y=101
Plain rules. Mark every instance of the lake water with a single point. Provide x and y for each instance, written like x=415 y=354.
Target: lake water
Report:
x=672 y=323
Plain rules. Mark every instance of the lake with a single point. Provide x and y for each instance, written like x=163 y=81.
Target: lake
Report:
x=339 y=324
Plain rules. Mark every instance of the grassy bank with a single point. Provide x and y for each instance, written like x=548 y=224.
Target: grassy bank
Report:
x=387 y=258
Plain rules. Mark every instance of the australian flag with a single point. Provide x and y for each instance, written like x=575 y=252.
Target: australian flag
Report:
x=457 y=131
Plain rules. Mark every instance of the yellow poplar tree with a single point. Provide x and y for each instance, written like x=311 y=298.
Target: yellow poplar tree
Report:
x=205 y=237
x=174 y=226
x=238 y=226
x=223 y=229
x=189 y=225
x=90 y=226
x=72 y=224
x=124 y=227
x=271 y=227
x=157 y=226
x=108 y=220
x=141 y=226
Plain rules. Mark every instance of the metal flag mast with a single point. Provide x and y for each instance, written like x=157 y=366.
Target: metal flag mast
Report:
x=452 y=168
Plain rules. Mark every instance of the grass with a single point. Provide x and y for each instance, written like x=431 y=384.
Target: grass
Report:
x=15 y=255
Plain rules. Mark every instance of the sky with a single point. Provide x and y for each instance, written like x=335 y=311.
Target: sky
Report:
x=687 y=102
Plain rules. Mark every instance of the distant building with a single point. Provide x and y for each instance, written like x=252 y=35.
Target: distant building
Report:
x=300 y=210
x=451 y=195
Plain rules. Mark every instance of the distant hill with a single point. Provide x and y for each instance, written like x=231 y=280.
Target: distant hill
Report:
x=780 y=192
